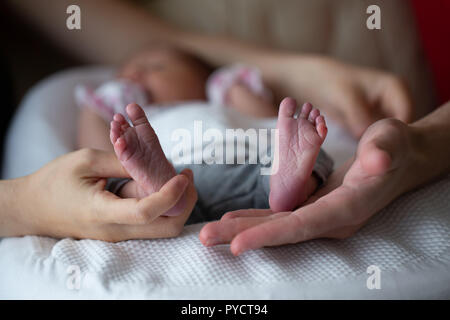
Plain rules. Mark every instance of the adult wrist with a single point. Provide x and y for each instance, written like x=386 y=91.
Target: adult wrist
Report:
x=428 y=143
x=12 y=222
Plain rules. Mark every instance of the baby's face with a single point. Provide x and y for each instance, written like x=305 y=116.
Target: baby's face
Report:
x=166 y=75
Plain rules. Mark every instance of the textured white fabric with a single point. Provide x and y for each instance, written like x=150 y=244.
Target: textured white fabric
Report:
x=408 y=241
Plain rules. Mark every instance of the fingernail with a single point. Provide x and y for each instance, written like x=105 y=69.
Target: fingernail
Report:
x=189 y=174
x=212 y=242
x=184 y=183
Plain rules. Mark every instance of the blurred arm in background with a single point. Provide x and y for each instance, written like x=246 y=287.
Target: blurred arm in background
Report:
x=112 y=29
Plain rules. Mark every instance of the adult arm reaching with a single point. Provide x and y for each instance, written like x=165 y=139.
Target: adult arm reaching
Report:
x=66 y=198
x=354 y=96
x=392 y=158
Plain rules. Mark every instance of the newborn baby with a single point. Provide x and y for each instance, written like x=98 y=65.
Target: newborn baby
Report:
x=163 y=76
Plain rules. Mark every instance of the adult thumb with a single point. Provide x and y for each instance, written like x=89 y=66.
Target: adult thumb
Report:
x=99 y=164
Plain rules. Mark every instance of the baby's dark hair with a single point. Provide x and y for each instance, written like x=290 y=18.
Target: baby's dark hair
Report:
x=205 y=67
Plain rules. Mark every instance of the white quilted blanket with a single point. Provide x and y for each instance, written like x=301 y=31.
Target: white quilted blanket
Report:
x=409 y=241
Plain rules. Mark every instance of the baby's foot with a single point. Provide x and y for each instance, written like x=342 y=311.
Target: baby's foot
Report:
x=299 y=144
x=140 y=153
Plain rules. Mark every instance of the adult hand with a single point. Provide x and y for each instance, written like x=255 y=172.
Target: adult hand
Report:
x=66 y=198
x=380 y=172
x=251 y=229
x=355 y=97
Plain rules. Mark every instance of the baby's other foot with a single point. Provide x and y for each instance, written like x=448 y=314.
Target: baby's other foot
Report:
x=299 y=145
x=138 y=149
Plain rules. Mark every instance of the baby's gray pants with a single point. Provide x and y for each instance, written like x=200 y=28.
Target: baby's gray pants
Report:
x=226 y=187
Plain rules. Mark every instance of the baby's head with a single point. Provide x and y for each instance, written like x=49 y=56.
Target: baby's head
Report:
x=168 y=75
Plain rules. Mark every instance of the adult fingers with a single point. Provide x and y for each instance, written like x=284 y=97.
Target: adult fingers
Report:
x=357 y=113
x=396 y=101
x=163 y=200
x=189 y=174
x=309 y=222
x=161 y=227
x=112 y=209
x=224 y=231
x=389 y=93
x=246 y=213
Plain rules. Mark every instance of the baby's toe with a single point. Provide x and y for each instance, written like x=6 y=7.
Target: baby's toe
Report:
x=120 y=147
x=305 y=110
x=121 y=119
x=321 y=127
x=136 y=114
x=287 y=108
x=313 y=115
x=115 y=132
x=126 y=145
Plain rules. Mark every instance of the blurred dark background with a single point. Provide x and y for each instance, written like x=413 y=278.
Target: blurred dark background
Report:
x=25 y=58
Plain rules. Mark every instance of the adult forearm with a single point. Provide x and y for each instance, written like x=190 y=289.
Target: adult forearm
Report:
x=11 y=223
x=110 y=29
x=221 y=49
x=434 y=140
